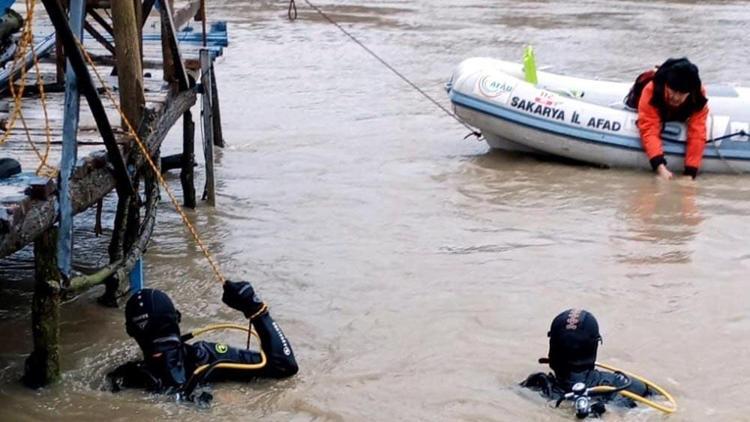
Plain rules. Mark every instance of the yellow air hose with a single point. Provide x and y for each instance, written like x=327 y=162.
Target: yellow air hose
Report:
x=636 y=397
x=227 y=326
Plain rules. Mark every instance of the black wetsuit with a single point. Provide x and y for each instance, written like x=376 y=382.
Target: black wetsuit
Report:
x=553 y=388
x=173 y=370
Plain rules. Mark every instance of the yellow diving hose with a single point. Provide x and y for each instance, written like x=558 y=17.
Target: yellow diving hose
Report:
x=636 y=397
x=227 y=326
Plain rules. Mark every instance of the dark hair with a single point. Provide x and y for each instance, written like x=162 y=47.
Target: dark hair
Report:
x=680 y=75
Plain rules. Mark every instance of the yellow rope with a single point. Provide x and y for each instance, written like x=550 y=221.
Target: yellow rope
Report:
x=52 y=171
x=144 y=150
x=23 y=45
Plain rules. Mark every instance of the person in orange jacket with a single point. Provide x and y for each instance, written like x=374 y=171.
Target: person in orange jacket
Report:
x=674 y=94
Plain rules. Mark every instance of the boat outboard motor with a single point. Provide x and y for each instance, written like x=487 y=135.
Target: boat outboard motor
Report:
x=152 y=320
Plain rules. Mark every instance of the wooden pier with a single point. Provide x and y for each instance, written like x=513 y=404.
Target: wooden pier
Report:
x=129 y=60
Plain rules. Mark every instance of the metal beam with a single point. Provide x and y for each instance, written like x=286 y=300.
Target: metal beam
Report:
x=69 y=148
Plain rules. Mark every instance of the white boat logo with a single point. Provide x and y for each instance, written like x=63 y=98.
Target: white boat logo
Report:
x=491 y=87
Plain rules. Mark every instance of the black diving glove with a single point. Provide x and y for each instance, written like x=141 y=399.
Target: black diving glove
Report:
x=240 y=295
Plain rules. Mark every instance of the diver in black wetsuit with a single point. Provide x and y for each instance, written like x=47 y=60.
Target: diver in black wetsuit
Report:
x=573 y=342
x=172 y=366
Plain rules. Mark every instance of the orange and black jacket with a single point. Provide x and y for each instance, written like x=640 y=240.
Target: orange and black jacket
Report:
x=653 y=112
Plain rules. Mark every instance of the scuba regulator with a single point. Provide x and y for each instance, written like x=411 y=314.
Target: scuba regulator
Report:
x=583 y=397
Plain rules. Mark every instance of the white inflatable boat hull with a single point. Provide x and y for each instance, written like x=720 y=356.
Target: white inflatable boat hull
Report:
x=586 y=120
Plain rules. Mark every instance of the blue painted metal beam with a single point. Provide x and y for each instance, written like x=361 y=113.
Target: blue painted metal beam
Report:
x=69 y=148
x=217 y=36
x=137 y=276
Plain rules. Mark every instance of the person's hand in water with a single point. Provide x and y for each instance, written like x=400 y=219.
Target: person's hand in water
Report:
x=664 y=172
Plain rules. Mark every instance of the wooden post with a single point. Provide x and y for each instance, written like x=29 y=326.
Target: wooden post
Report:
x=146 y=10
x=188 y=159
x=128 y=57
x=202 y=14
x=216 y=110
x=69 y=148
x=139 y=27
x=43 y=365
x=209 y=191
x=59 y=55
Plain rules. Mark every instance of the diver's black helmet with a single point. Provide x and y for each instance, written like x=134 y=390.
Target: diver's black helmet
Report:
x=152 y=320
x=573 y=341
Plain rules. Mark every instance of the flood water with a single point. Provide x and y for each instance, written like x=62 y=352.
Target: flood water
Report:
x=416 y=273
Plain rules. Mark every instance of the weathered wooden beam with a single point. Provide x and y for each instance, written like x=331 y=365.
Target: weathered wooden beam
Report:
x=216 y=111
x=100 y=38
x=202 y=15
x=174 y=68
x=147 y=6
x=209 y=192
x=101 y=21
x=128 y=56
x=43 y=365
x=188 y=160
x=86 y=86
x=91 y=180
x=171 y=162
x=138 y=7
x=69 y=148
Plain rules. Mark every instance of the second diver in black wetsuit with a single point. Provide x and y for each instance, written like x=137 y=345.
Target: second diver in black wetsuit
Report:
x=171 y=365
x=573 y=342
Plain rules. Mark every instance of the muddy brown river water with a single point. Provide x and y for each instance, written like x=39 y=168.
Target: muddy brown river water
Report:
x=416 y=273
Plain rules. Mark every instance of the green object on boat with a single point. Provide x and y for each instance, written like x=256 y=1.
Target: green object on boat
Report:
x=529 y=65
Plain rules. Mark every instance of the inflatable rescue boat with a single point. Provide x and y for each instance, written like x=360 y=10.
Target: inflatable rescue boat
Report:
x=587 y=120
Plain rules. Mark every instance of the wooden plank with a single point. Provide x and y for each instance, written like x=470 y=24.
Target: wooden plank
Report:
x=188 y=159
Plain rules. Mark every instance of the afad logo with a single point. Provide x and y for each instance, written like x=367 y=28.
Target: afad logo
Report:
x=491 y=87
